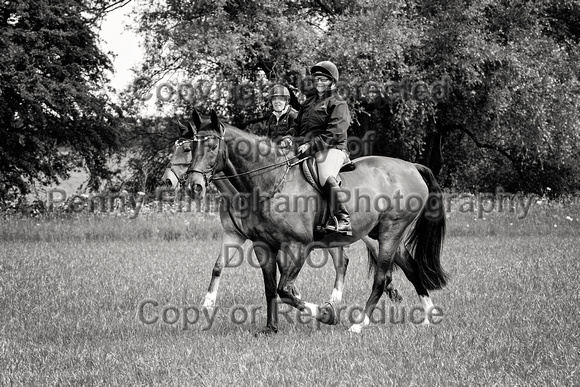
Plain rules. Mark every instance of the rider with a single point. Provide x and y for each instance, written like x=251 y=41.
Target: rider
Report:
x=323 y=121
x=281 y=121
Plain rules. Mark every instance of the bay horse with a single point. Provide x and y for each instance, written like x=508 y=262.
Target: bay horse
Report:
x=173 y=177
x=280 y=216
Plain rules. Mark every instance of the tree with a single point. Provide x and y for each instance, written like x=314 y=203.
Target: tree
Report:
x=484 y=92
x=515 y=100
x=54 y=113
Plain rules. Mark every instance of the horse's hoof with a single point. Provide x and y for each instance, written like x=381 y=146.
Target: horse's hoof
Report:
x=394 y=296
x=356 y=328
x=266 y=332
x=328 y=314
x=209 y=306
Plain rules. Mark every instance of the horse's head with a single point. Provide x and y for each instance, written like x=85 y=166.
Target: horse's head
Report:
x=181 y=158
x=208 y=154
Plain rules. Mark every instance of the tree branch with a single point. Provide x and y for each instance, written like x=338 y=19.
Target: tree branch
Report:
x=516 y=163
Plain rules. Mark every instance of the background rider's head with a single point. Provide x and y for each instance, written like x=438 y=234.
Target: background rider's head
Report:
x=279 y=98
x=324 y=75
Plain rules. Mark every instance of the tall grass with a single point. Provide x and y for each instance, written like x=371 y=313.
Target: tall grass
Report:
x=71 y=287
x=85 y=227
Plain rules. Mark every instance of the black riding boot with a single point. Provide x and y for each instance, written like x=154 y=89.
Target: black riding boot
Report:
x=339 y=220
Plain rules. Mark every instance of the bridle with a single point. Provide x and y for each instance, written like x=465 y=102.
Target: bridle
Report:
x=181 y=177
x=209 y=174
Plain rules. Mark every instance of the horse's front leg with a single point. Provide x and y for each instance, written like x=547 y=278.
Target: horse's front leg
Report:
x=291 y=261
x=231 y=246
x=340 y=261
x=267 y=259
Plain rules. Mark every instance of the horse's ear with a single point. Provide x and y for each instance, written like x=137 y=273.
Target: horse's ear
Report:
x=186 y=131
x=196 y=119
x=215 y=122
x=190 y=131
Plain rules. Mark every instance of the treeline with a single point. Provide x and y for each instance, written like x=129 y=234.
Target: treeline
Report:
x=484 y=93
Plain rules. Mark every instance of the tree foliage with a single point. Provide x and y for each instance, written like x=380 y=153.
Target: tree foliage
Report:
x=491 y=86
x=54 y=113
x=511 y=114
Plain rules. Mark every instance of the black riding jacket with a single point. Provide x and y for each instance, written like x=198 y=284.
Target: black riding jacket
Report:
x=323 y=122
x=282 y=126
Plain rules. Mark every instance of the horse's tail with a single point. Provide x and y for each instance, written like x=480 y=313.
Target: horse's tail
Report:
x=426 y=238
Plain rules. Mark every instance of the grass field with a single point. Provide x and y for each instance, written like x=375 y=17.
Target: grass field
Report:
x=72 y=286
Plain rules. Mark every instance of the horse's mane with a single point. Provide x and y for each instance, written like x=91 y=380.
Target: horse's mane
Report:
x=250 y=138
x=240 y=133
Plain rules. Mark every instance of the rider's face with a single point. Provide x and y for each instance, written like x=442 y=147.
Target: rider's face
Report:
x=322 y=83
x=278 y=103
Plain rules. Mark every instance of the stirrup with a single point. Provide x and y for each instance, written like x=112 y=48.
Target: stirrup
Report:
x=334 y=228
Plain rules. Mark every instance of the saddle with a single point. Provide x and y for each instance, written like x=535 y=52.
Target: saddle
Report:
x=310 y=172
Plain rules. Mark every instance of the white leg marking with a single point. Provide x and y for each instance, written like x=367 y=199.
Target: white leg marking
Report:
x=209 y=301
x=427 y=305
x=313 y=309
x=357 y=328
x=336 y=296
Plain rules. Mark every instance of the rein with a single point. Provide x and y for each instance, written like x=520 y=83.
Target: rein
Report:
x=209 y=174
x=272 y=166
x=286 y=162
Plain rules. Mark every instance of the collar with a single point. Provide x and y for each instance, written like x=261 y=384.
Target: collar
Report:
x=280 y=114
x=327 y=93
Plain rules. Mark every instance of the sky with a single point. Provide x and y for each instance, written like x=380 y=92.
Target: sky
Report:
x=123 y=43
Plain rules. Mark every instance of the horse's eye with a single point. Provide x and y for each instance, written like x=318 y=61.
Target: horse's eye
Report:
x=186 y=149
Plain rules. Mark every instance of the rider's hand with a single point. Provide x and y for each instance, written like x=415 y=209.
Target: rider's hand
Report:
x=303 y=148
x=286 y=142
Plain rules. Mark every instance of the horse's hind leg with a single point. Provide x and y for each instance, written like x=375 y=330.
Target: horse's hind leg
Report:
x=409 y=266
x=340 y=261
x=231 y=245
x=373 y=249
x=388 y=244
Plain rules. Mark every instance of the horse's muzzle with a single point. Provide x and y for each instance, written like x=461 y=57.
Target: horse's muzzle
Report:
x=169 y=178
x=194 y=187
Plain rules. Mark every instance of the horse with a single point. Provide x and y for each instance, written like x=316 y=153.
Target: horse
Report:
x=409 y=233
x=173 y=177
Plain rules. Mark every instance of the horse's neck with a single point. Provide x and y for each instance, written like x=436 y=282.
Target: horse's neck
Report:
x=244 y=168
x=227 y=189
x=234 y=180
